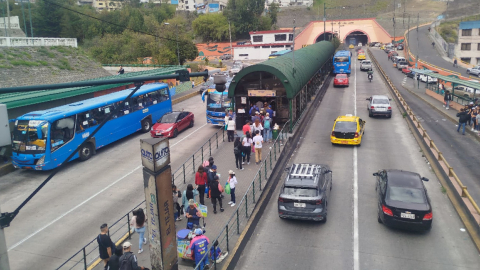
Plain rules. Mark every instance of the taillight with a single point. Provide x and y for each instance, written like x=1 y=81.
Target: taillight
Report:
x=356 y=134
x=333 y=133
x=387 y=211
x=373 y=108
x=280 y=199
x=389 y=108
x=428 y=216
x=318 y=202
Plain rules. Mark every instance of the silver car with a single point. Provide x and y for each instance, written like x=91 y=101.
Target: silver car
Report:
x=379 y=105
x=366 y=65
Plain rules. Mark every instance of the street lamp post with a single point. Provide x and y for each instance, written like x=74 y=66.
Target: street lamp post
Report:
x=176 y=37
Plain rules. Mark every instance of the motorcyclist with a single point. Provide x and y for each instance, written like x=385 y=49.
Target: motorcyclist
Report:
x=370 y=75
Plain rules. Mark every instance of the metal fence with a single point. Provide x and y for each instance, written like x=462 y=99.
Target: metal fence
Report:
x=120 y=229
x=229 y=234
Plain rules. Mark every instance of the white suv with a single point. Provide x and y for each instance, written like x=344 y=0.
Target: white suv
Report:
x=474 y=71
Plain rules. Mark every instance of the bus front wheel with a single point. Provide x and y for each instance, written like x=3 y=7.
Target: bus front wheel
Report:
x=146 y=125
x=86 y=152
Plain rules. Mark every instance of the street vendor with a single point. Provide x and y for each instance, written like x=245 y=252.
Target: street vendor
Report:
x=199 y=247
x=193 y=214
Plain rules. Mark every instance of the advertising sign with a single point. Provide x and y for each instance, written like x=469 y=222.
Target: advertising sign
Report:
x=262 y=93
x=155 y=153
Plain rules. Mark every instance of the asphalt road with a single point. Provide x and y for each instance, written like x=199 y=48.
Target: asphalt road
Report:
x=67 y=213
x=423 y=48
x=352 y=238
x=461 y=152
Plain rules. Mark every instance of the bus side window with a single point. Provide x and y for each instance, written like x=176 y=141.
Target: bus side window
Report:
x=163 y=94
x=82 y=121
x=124 y=108
x=137 y=103
x=62 y=131
x=148 y=100
x=98 y=115
x=107 y=110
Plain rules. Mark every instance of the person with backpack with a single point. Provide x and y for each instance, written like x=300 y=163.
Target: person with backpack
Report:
x=187 y=195
x=216 y=191
x=201 y=182
x=138 y=222
x=237 y=151
x=447 y=98
x=105 y=245
x=128 y=261
x=198 y=246
x=267 y=128
x=114 y=262
x=462 y=120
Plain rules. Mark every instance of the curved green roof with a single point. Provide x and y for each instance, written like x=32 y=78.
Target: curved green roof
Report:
x=308 y=61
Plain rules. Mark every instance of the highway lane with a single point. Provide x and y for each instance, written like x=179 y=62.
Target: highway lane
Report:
x=461 y=152
x=37 y=237
x=352 y=238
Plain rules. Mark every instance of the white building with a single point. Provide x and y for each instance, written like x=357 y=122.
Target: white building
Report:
x=264 y=43
x=188 y=5
x=289 y=3
x=468 y=45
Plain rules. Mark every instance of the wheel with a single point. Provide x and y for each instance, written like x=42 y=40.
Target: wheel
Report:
x=86 y=152
x=379 y=219
x=324 y=220
x=175 y=133
x=468 y=72
x=191 y=124
x=389 y=116
x=146 y=125
x=370 y=114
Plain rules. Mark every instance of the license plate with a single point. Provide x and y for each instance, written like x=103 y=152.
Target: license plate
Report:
x=405 y=215
x=299 y=204
x=344 y=142
x=159 y=134
x=380 y=109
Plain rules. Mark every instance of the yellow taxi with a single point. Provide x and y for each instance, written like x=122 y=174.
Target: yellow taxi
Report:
x=351 y=46
x=361 y=56
x=382 y=47
x=348 y=129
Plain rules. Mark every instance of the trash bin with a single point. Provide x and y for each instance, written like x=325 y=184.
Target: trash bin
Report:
x=275 y=134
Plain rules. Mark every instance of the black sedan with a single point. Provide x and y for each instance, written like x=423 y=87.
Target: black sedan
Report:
x=403 y=200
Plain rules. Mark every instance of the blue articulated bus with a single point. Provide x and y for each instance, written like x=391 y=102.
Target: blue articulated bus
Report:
x=217 y=104
x=42 y=140
x=342 y=62
x=279 y=53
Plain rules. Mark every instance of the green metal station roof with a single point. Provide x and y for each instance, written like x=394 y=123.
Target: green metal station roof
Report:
x=308 y=61
x=19 y=99
x=450 y=78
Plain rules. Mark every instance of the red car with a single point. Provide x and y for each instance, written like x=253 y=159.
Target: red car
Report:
x=171 y=124
x=341 y=80
x=406 y=70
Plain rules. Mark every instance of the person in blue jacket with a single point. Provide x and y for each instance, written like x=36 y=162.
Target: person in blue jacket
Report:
x=199 y=247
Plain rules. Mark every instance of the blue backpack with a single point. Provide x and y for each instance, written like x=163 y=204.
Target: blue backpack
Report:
x=266 y=124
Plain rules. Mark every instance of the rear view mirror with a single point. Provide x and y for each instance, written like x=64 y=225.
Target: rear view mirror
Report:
x=425 y=179
x=375 y=174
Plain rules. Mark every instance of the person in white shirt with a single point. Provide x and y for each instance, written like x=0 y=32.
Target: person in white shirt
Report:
x=247 y=147
x=233 y=182
x=230 y=129
x=258 y=141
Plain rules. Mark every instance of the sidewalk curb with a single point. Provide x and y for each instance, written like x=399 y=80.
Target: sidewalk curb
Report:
x=453 y=120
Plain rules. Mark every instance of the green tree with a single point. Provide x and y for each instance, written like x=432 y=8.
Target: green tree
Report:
x=273 y=12
x=47 y=18
x=211 y=27
x=246 y=15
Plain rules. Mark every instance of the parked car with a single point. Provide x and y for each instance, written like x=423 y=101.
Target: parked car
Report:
x=474 y=71
x=398 y=59
x=403 y=200
x=379 y=105
x=365 y=65
x=341 y=80
x=226 y=56
x=402 y=64
x=305 y=192
x=172 y=123
x=236 y=68
x=400 y=47
x=392 y=55
x=348 y=129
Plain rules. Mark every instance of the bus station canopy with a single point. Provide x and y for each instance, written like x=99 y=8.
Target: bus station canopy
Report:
x=450 y=78
x=308 y=61
x=19 y=99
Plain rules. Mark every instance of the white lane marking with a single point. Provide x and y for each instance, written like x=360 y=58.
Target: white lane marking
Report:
x=91 y=197
x=356 y=259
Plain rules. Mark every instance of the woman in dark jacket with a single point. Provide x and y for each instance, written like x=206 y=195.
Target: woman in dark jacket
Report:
x=216 y=194
x=114 y=261
x=237 y=151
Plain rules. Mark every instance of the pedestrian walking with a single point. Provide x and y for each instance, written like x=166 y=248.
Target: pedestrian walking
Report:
x=256 y=116
x=198 y=247
x=189 y=194
x=230 y=129
x=257 y=142
x=433 y=45
x=246 y=127
x=455 y=63
x=138 y=222
x=267 y=128
x=105 y=245
x=247 y=148
x=473 y=115
x=201 y=182
x=462 y=120
x=232 y=180
x=216 y=191
x=114 y=262
x=193 y=84
x=237 y=151
x=257 y=126
x=128 y=260
x=177 y=194
x=447 y=98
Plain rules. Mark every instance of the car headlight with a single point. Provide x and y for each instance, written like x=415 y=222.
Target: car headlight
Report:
x=41 y=161
x=170 y=128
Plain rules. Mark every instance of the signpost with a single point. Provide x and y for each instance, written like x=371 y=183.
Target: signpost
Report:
x=157 y=179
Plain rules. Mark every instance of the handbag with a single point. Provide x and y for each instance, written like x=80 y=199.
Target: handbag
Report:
x=227 y=188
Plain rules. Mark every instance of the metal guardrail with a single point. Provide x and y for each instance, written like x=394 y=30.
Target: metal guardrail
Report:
x=437 y=153
x=237 y=221
x=143 y=65
x=120 y=229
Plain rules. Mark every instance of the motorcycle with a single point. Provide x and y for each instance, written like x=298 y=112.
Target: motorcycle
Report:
x=370 y=77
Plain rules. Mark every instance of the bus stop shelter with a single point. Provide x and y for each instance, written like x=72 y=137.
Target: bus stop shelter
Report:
x=286 y=83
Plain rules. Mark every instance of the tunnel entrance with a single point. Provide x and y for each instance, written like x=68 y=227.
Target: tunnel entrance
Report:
x=356 y=37
x=328 y=37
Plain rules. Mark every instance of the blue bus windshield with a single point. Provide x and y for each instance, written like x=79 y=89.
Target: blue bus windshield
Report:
x=217 y=100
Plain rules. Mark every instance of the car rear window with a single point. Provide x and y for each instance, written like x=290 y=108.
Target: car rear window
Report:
x=341 y=76
x=366 y=62
x=405 y=194
x=346 y=126
x=300 y=192
x=380 y=101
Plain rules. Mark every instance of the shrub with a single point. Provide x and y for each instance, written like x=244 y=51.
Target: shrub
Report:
x=46 y=52
x=63 y=64
x=43 y=63
x=24 y=63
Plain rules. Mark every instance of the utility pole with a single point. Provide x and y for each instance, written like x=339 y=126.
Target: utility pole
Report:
x=394 y=22
x=8 y=19
x=324 y=22
x=293 y=49
x=30 y=15
x=230 y=33
x=4 y=22
x=24 y=21
x=418 y=46
x=178 y=50
x=4 y=264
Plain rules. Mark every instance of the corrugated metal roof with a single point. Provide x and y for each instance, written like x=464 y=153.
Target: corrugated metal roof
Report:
x=450 y=78
x=15 y=100
x=469 y=25
x=308 y=61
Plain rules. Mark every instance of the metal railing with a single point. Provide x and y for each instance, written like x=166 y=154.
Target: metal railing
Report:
x=143 y=65
x=120 y=229
x=229 y=234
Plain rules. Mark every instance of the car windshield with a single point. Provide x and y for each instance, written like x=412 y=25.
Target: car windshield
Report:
x=300 y=192
x=168 y=118
x=214 y=99
x=405 y=194
x=30 y=136
x=341 y=59
x=345 y=126
x=380 y=101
